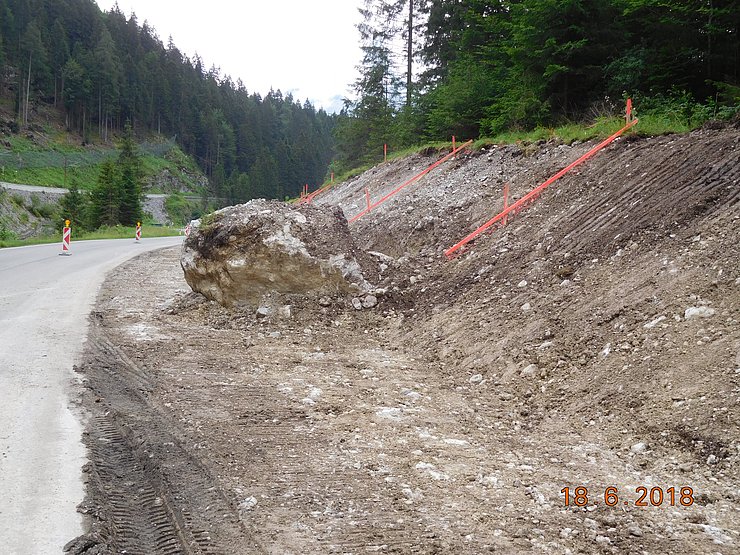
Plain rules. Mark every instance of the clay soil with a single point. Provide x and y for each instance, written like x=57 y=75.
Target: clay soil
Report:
x=592 y=342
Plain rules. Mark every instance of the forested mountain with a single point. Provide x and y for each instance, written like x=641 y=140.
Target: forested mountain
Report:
x=430 y=69
x=435 y=68
x=104 y=69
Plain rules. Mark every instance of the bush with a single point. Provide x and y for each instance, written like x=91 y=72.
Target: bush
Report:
x=5 y=233
x=181 y=210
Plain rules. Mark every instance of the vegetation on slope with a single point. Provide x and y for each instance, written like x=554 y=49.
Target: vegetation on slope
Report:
x=103 y=70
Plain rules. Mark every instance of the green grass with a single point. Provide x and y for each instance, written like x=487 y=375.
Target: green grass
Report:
x=118 y=232
x=57 y=163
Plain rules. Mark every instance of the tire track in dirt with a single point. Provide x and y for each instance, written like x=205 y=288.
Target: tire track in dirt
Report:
x=147 y=493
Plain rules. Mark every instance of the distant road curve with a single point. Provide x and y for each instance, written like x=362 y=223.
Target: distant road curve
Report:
x=45 y=300
x=61 y=191
x=34 y=188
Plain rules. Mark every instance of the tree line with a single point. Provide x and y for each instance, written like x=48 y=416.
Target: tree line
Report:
x=429 y=69
x=105 y=69
x=435 y=68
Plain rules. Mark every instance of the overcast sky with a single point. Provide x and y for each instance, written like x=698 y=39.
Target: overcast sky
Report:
x=307 y=47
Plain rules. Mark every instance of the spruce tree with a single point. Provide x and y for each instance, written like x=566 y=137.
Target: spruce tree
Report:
x=106 y=197
x=130 y=173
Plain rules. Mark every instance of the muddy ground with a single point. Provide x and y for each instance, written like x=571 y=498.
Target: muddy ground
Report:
x=592 y=342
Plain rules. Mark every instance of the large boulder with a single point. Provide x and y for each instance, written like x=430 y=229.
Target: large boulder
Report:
x=242 y=253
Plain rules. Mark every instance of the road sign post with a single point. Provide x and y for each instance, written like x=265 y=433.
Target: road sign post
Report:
x=138 y=231
x=66 y=239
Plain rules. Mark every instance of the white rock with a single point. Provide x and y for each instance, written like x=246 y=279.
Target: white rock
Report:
x=638 y=448
x=429 y=468
x=357 y=303
x=453 y=441
x=369 y=301
x=391 y=413
x=526 y=307
x=489 y=480
x=477 y=378
x=698 y=312
x=635 y=531
x=653 y=323
x=522 y=283
x=248 y=504
x=263 y=312
x=530 y=371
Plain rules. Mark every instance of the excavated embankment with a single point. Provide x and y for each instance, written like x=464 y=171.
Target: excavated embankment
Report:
x=593 y=342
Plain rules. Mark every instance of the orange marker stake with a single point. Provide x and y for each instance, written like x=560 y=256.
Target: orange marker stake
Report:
x=506 y=202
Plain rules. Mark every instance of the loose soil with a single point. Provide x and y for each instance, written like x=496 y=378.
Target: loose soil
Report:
x=593 y=342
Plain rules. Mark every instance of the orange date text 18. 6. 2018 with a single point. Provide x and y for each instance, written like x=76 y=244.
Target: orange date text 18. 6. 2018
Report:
x=641 y=497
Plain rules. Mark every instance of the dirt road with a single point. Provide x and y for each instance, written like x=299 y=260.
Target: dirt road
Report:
x=593 y=343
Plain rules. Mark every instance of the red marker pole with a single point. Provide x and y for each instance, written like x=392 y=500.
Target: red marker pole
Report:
x=138 y=231
x=385 y=153
x=66 y=239
x=367 y=197
x=506 y=201
x=453 y=146
x=629 y=111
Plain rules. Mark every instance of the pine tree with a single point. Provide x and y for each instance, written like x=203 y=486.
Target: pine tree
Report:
x=59 y=56
x=129 y=180
x=106 y=197
x=35 y=66
x=75 y=206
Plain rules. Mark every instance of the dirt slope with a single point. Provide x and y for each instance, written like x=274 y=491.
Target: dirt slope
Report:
x=592 y=342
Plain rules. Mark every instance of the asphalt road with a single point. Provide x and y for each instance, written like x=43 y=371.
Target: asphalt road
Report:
x=45 y=300
x=62 y=191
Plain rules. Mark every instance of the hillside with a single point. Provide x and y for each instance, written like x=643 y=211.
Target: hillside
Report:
x=46 y=154
x=104 y=70
x=592 y=342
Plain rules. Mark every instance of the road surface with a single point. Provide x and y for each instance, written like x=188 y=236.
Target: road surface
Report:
x=45 y=300
x=62 y=191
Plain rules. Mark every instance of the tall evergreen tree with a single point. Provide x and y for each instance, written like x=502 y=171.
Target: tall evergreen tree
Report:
x=59 y=55
x=75 y=206
x=35 y=68
x=129 y=180
x=105 y=201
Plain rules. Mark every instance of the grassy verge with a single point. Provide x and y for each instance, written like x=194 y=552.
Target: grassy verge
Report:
x=118 y=232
